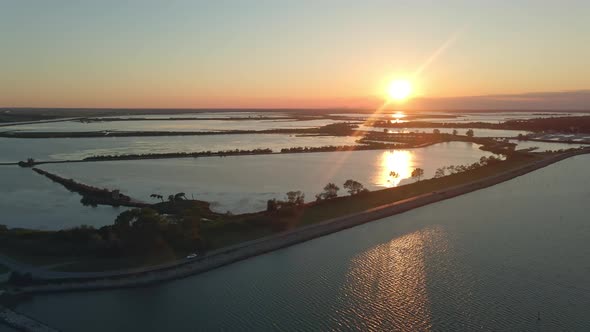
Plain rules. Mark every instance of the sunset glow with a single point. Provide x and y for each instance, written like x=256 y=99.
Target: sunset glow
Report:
x=399 y=90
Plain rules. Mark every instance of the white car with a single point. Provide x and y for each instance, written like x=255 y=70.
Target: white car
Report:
x=191 y=256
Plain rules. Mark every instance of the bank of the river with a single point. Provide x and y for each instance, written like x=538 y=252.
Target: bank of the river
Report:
x=228 y=255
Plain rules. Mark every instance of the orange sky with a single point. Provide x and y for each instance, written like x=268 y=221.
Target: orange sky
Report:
x=184 y=54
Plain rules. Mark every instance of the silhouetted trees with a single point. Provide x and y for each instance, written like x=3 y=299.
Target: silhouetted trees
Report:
x=157 y=196
x=455 y=169
x=469 y=133
x=417 y=174
x=293 y=199
x=354 y=187
x=330 y=191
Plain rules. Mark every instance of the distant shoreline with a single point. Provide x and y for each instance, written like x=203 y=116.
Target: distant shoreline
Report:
x=228 y=255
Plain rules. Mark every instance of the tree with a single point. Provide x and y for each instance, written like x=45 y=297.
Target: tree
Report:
x=394 y=174
x=469 y=133
x=141 y=229
x=330 y=191
x=180 y=197
x=295 y=197
x=271 y=205
x=157 y=196
x=436 y=131
x=354 y=187
x=417 y=174
x=455 y=132
x=440 y=172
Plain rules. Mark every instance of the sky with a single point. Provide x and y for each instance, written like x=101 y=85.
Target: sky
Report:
x=291 y=54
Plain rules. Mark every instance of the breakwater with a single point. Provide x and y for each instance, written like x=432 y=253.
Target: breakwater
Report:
x=93 y=195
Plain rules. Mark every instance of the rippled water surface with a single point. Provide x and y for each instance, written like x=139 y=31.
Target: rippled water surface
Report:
x=492 y=260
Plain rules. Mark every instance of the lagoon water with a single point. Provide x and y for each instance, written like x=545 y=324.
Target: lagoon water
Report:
x=16 y=149
x=30 y=200
x=245 y=183
x=491 y=260
x=164 y=125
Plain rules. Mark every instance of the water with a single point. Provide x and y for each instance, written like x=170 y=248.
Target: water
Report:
x=163 y=125
x=489 y=260
x=15 y=149
x=30 y=200
x=545 y=146
x=245 y=183
x=215 y=114
x=496 y=117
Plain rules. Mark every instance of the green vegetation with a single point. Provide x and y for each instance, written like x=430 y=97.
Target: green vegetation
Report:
x=4 y=269
x=171 y=229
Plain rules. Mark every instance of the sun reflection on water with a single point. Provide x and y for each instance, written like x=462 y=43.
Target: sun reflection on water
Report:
x=396 y=165
x=387 y=284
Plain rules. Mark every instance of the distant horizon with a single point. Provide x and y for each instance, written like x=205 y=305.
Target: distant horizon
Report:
x=559 y=101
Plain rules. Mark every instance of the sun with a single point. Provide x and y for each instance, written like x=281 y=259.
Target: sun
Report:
x=399 y=90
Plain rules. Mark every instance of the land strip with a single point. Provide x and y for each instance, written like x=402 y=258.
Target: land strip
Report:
x=224 y=256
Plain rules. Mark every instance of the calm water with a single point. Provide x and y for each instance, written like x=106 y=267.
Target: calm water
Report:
x=245 y=183
x=490 y=260
x=12 y=149
x=30 y=200
x=545 y=146
x=184 y=125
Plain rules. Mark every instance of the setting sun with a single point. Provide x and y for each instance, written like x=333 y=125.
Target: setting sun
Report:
x=399 y=90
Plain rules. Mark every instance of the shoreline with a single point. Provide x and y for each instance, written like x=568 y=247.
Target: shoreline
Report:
x=224 y=256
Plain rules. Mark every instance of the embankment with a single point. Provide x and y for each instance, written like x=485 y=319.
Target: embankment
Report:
x=225 y=256
x=93 y=195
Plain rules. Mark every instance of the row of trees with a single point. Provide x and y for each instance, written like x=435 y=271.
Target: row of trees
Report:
x=468 y=133
x=295 y=199
x=171 y=198
x=454 y=169
x=331 y=190
x=221 y=153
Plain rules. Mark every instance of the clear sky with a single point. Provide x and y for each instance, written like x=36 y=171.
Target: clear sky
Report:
x=299 y=53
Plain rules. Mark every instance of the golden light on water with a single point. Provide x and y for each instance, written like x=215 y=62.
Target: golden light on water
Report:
x=398 y=115
x=398 y=162
x=387 y=284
